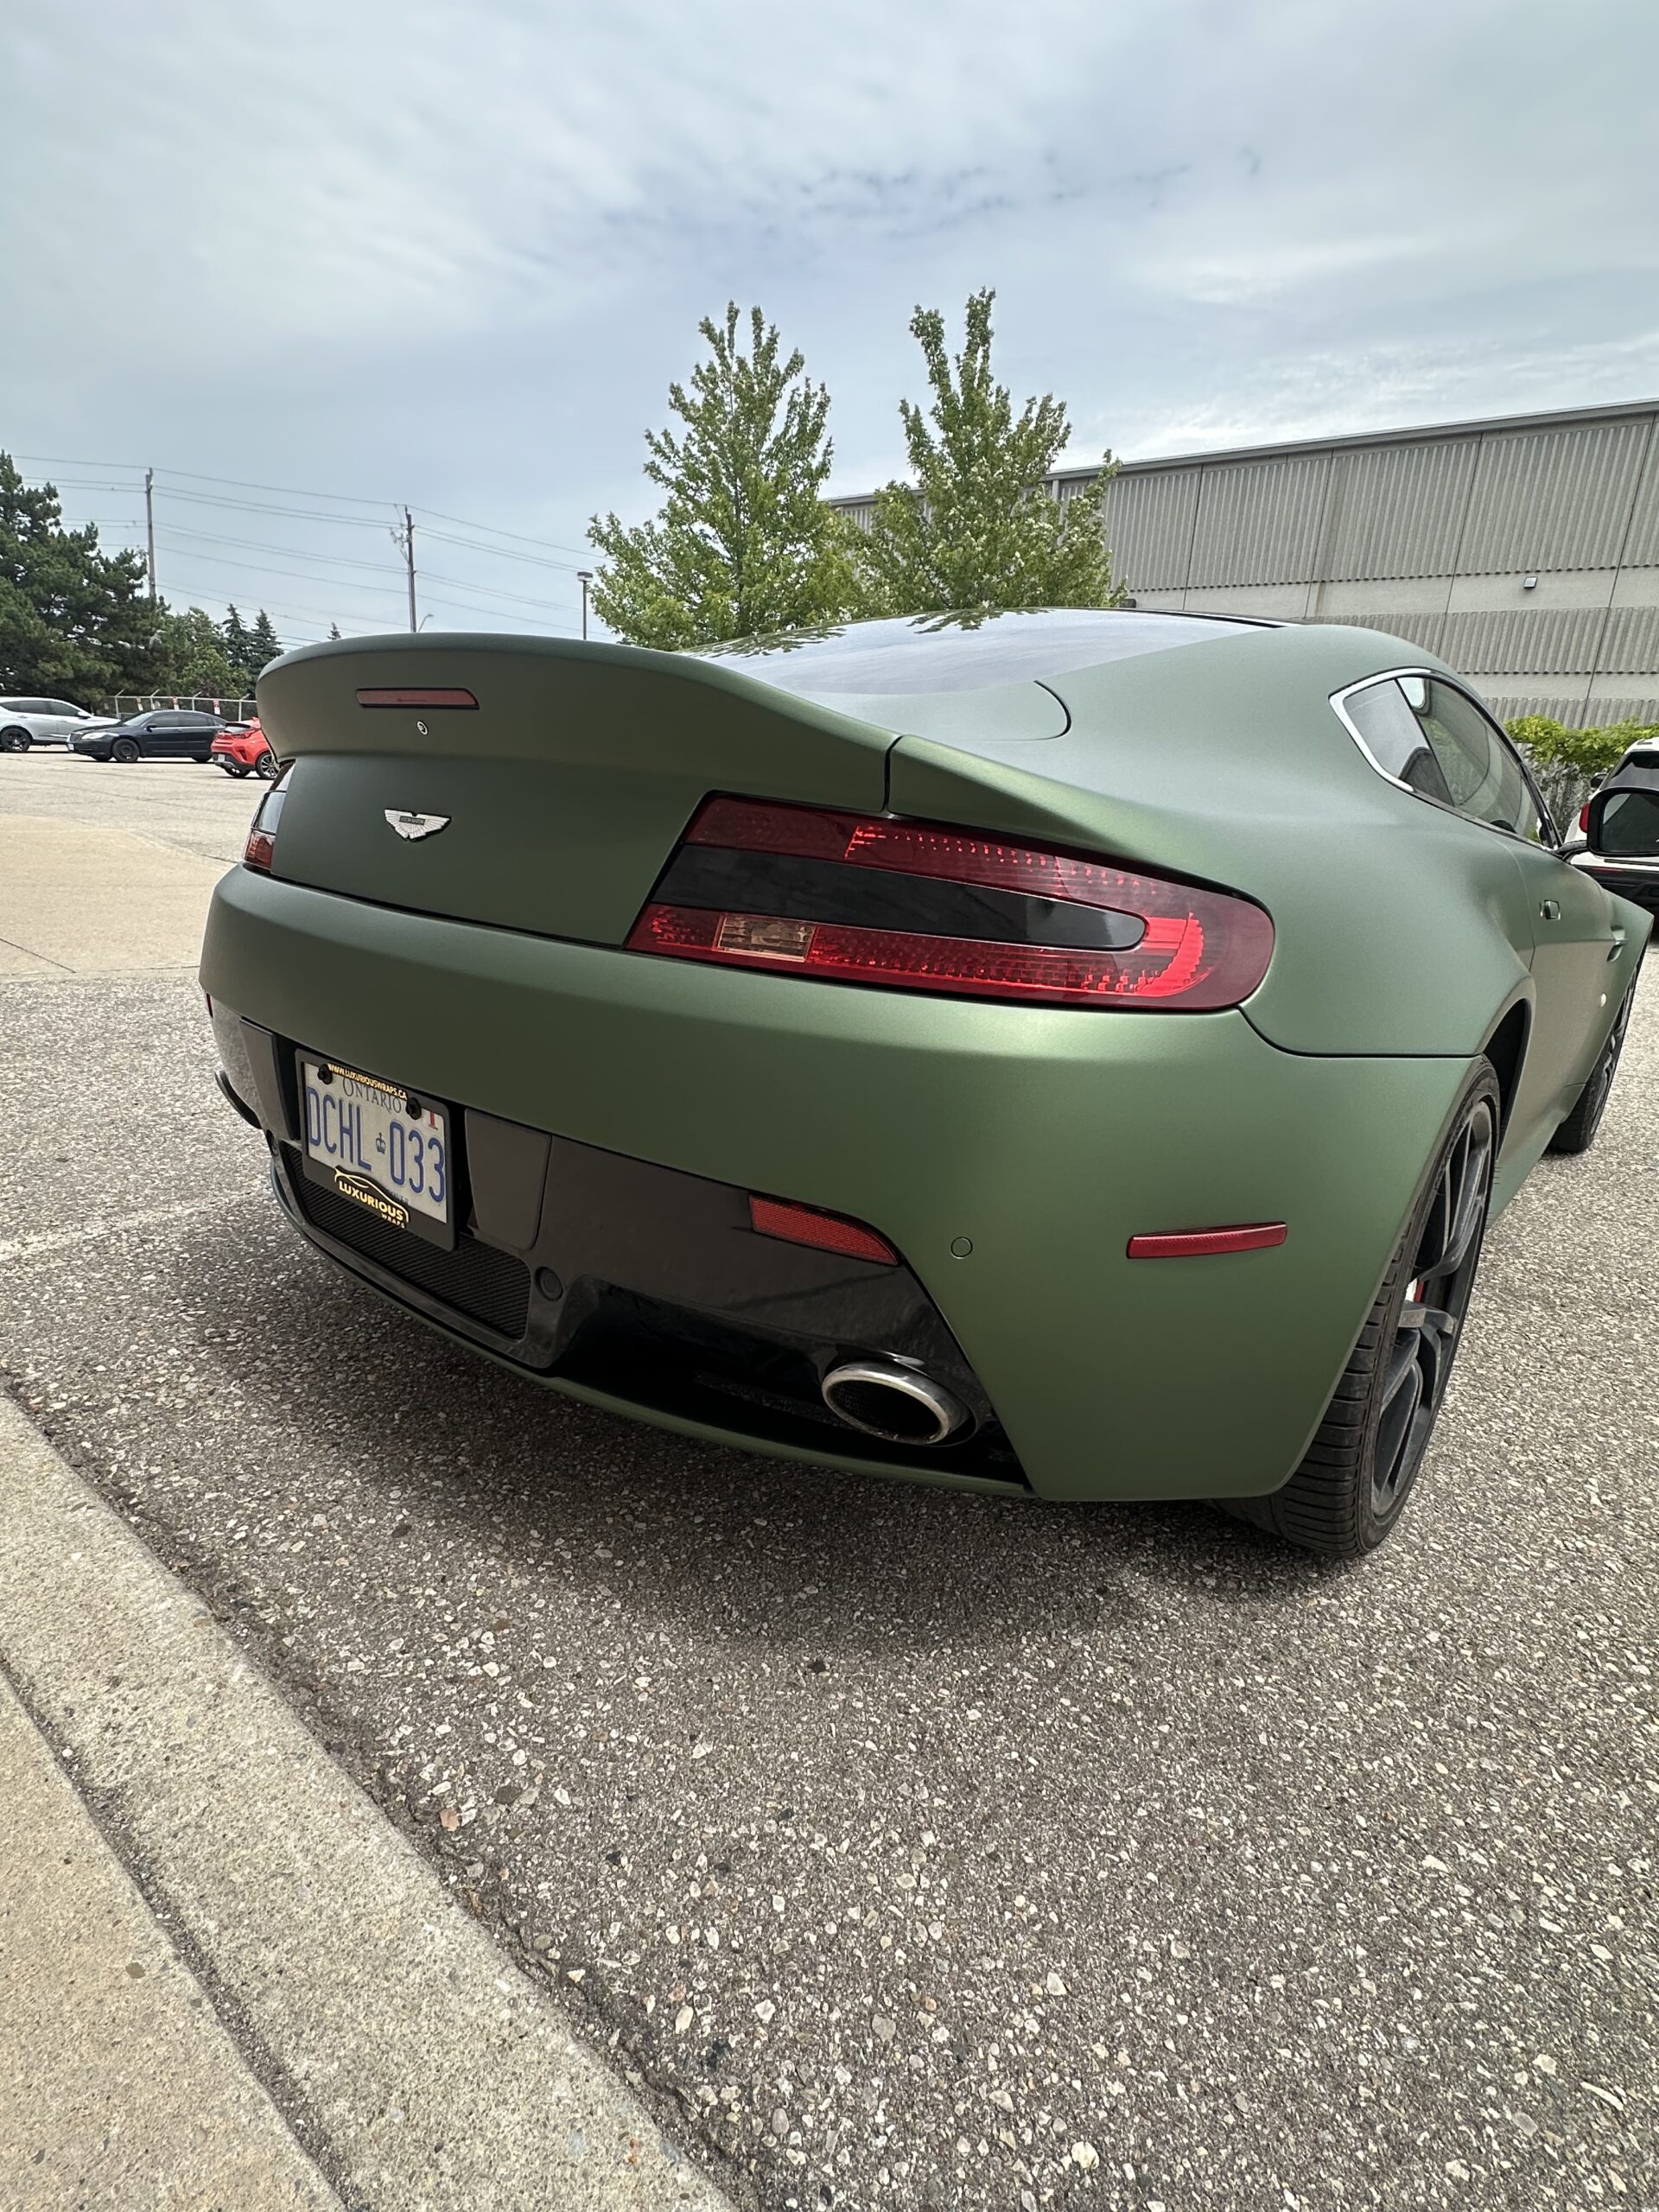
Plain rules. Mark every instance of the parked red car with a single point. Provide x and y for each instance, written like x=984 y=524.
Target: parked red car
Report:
x=238 y=751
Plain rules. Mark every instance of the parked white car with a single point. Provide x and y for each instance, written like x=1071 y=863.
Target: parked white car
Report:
x=24 y=723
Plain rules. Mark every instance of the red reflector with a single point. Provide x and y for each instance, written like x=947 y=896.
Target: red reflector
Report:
x=1584 y=816
x=398 y=694
x=1193 y=1243
x=828 y=1232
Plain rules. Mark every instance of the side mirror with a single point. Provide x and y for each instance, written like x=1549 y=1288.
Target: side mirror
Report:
x=1624 y=822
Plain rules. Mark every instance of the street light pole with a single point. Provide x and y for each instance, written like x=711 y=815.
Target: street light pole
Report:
x=584 y=577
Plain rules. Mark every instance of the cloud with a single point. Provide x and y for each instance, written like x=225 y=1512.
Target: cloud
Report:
x=453 y=251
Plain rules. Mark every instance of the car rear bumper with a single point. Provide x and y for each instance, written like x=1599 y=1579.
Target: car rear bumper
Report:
x=1007 y=1154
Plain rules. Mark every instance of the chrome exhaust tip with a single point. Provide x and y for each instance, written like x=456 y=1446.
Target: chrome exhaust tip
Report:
x=885 y=1398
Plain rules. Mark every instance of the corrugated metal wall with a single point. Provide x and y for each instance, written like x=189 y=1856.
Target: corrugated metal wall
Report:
x=1431 y=537
x=1573 y=504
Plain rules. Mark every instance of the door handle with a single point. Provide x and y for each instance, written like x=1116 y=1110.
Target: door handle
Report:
x=1550 y=911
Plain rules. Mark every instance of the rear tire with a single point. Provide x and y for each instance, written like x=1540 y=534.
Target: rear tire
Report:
x=1578 y=1132
x=266 y=766
x=126 y=751
x=234 y=767
x=1352 y=1487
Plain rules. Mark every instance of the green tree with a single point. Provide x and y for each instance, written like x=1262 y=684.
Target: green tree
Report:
x=239 y=645
x=1583 y=753
x=190 y=658
x=264 y=644
x=979 y=532
x=74 y=622
x=744 y=544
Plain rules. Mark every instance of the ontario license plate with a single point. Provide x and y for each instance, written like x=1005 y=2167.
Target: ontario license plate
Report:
x=380 y=1145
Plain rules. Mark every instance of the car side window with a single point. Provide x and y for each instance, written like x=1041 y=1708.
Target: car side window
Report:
x=1482 y=773
x=1395 y=740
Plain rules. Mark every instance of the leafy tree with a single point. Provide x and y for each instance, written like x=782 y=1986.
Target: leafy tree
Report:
x=75 y=623
x=1585 y=752
x=264 y=644
x=744 y=544
x=191 y=660
x=979 y=532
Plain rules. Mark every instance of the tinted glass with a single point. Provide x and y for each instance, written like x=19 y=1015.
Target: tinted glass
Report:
x=934 y=653
x=1439 y=742
x=1395 y=739
x=61 y=707
x=1629 y=825
x=1481 y=773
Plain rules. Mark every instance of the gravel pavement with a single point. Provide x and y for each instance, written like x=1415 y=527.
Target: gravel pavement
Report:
x=908 y=1848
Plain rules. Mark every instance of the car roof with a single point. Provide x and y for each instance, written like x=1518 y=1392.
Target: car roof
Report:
x=903 y=656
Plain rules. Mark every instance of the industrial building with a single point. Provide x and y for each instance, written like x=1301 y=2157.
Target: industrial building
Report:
x=1524 y=551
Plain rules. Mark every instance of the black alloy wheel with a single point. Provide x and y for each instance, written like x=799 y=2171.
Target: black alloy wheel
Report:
x=126 y=751
x=1578 y=1132
x=1353 y=1483
x=14 y=740
x=1429 y=1327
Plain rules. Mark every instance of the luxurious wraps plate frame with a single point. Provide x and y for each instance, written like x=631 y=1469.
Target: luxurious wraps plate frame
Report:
x=379 y=1144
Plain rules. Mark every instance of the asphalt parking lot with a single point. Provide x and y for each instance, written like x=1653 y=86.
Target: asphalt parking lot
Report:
x=906 y=1848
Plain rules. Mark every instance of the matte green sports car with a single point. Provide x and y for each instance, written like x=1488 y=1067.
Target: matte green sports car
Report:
x=1073 y=1053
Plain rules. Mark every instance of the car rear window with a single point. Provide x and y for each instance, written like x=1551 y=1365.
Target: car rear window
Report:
x=908 y=656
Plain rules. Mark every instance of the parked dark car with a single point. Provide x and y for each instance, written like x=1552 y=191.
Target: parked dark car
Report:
x=163 y=734
x=1621 y=825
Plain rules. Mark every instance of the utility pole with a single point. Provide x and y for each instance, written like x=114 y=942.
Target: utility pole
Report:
x=149 y=523
x=408 y=557
x=584 y=577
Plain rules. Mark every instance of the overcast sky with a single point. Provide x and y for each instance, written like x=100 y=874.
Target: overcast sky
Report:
x=451 y=252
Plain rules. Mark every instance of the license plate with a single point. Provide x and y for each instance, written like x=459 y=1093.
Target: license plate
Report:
x=380 y=1145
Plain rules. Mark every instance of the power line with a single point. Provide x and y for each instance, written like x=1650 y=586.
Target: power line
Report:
x=503 y=553
x=290 y=552
x=553 y=544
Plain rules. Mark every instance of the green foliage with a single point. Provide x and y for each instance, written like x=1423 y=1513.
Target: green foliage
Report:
x=191 y=658
x=249 y=646
x=978 y=531
x=264 y=644
x=75 y=623
x=1583 y=753
x=744 y=544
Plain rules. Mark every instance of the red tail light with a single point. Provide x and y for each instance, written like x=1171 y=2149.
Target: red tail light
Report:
x=261 y=848
x=919 y=906
x=825 y=1232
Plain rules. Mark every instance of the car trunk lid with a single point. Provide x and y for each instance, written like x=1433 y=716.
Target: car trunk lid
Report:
x=553 y=804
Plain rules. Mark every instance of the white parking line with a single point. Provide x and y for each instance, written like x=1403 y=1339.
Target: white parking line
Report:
x=106 y=1225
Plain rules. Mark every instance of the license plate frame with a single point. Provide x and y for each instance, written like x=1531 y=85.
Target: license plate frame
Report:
x=376 y=1108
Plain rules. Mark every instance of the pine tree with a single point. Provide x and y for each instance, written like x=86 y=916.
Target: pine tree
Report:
x=264 y=645
x=744 y=544
x=75 y=623
x=979 y=532
x=238 y=646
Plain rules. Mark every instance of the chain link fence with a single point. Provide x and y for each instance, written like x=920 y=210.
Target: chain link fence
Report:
x=135 y=703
